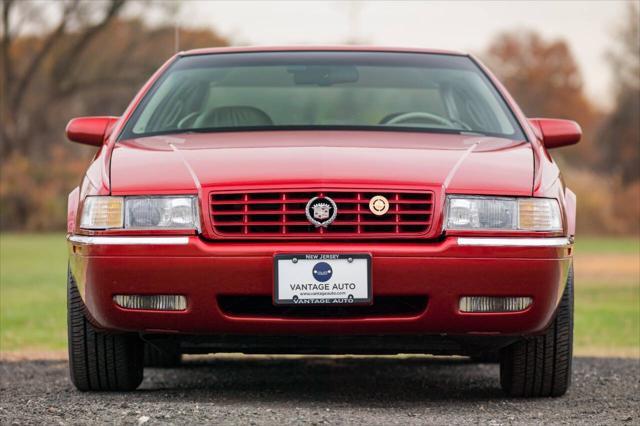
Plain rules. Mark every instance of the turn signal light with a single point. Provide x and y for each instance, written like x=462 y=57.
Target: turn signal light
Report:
x=494 y=304
x=102 y=213
x=163 y=302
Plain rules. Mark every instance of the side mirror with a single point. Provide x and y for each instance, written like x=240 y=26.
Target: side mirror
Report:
x=90 y=130
x=555 y=133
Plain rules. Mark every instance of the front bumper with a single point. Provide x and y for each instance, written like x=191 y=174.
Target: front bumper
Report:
x=202 y=271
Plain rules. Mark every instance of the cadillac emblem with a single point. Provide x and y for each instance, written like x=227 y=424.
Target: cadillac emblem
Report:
x=321 y=211
x=379 y=205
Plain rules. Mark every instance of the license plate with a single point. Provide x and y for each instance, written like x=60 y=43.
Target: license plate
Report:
x=322 y=279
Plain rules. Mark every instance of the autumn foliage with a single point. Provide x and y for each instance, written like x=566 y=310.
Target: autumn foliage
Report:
x=90 y=63
x=604 y=168
x=97 y=55
x=546 y=82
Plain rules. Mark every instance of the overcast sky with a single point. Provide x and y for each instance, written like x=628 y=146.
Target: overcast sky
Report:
x=469 y=26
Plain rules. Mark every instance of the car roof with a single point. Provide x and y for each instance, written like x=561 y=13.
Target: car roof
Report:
x=303 y=48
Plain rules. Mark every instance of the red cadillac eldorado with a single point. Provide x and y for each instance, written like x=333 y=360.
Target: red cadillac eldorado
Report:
x=322 y=200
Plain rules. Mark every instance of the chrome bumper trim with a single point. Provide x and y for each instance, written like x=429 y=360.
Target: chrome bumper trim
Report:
x=120 y=241
x=462 y=241
x=515 y=242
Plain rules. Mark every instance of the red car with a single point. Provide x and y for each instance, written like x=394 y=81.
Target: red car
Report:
x=341 y=200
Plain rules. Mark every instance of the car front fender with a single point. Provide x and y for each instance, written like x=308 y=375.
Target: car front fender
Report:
x=72 y=209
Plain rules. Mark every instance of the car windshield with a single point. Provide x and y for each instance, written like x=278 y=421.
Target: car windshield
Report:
x=323 y=90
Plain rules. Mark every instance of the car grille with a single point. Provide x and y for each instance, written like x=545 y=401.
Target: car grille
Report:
x=282 y=214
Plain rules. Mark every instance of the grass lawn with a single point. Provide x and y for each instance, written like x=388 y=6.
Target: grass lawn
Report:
x=33 y=274
x=33 y=300
x=605 y=245
x=607 y=296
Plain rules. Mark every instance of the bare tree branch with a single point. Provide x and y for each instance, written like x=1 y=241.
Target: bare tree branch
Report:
x=6 y=42
x=7 y=76
x=100 y=82
x=25 y=13
x=66 y=63
x=33 y=67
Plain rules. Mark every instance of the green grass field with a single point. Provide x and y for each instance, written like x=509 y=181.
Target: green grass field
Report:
x=607 y=291
x=605 y=245
x=33 y=274
x=33 y=284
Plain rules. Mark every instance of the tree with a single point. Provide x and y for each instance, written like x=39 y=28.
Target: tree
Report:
x=621 y=131
x=23 y=60
x=545 y=80
x=94 y=53
x=90 y=60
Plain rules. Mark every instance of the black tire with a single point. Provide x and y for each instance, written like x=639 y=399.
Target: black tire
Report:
x=540 y=366
x=163 y=357
x=100 y=361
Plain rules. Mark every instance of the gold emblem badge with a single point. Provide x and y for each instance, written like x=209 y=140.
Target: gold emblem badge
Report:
x=379 y=205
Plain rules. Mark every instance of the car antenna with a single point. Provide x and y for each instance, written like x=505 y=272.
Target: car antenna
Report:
x=176 y=37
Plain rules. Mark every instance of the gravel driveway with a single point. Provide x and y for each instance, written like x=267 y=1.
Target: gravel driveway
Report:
x=319 y=390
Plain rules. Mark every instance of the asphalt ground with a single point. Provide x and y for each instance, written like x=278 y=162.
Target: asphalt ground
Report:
x=280 y=390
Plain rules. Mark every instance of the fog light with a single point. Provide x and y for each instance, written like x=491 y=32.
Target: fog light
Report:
x=494 y=304
x=161 y=302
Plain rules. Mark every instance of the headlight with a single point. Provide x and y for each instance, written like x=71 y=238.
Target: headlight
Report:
x=502 y=214
x=161 y=212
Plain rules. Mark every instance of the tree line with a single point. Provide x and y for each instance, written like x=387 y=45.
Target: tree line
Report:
x=95 y=56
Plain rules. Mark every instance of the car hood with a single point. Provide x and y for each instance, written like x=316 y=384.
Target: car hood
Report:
x=188 y=162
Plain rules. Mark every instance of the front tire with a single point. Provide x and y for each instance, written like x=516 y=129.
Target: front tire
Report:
x=541 y=365
x=100 y=361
